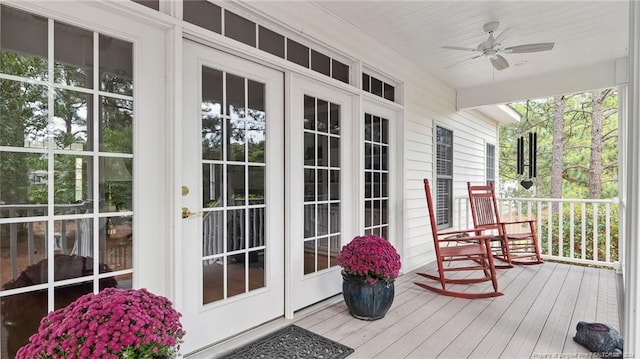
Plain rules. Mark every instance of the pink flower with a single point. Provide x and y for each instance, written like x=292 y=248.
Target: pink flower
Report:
x=115 y=323
x=371 y=257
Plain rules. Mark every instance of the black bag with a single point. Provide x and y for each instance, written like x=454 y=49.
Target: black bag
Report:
x=599 y=338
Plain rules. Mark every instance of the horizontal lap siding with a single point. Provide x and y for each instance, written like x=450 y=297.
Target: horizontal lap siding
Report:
x=427 y=102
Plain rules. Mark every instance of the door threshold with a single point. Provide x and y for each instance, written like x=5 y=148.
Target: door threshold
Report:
x=250 y=335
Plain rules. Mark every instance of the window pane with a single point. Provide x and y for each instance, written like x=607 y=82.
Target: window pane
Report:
x=297 y=53
x=23 y=114
x=238 y=28
x=211 y=114
x=256 y=185
x=340 y=71
x=73 y=120
x=116 y=125
x=270 y=42
x=24 y=183
x=152 y=4
x=73 y=183
x=116 y=65
x=309 y=185
x=23 y=44
x=212 y=280
x=116 y=183
x=236 y=140
x=26 y=244
x=73 y=54
x=117 y=248
x=256 y=269
x=203 y=13
x=322 y=118
x=334 y=119
x=376 y=86
x=389 y=92
x=320 y=63
x=235 y=97
x=366 y=86
x=309 y=113
x=235 y=185
x=212 y=186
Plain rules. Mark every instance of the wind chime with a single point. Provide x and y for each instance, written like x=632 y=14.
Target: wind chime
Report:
x=533 y=153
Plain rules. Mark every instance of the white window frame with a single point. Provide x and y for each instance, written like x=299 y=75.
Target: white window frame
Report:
x=449 y=222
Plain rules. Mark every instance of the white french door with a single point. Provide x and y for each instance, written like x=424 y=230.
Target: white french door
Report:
x=232 y=169
x=322 y=188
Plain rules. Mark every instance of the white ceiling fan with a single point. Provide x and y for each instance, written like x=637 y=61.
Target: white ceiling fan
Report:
x=492 y=47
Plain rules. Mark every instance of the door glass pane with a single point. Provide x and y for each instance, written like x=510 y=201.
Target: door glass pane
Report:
x=23 y=114
x=233 y=183
x=47 y=186
x=321 y=182
x=73 y=54
x=116 y=125
x=116 y=65
x=376 y=174
x=73 y=120
x=23 y=44
x=212 y=95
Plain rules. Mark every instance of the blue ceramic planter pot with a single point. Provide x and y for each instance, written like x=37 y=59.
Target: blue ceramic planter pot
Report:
x=364 y=300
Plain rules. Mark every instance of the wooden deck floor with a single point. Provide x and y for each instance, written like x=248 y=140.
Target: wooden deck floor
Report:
x=536 y=317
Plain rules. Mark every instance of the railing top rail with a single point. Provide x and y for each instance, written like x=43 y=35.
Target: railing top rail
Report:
x=535 y=199
x=575 y=200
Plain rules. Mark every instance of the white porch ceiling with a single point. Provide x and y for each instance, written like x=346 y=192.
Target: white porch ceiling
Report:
x=590 y=39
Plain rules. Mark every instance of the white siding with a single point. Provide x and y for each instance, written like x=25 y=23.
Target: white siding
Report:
x=427 y=101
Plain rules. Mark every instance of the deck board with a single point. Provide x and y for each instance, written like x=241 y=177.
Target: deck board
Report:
x=537 y=315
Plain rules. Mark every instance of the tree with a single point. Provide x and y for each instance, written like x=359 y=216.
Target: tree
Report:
x=558 y=147
x=573 y=148
x=597 y=139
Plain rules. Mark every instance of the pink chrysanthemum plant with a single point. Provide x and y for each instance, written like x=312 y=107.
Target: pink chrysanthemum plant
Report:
x=115 y=323
x=370 y=257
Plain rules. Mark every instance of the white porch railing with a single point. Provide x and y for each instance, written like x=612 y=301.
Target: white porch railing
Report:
x=581 y=231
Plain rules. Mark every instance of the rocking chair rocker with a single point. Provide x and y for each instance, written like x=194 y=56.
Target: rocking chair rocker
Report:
x=515 y=248
x=470 y=252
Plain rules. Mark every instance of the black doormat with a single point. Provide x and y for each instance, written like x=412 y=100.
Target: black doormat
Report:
x=291 y=342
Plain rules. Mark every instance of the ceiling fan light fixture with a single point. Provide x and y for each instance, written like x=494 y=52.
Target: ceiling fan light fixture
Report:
x=492 y=47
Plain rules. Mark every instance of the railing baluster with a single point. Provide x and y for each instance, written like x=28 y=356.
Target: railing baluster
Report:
x=560 y=231
x=595 y=231
x=584 y=231
x=539 y=229
x=607 y=233
x=549 y=228
x=572 y=228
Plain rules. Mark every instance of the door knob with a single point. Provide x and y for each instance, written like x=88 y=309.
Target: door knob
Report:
x=186 y=212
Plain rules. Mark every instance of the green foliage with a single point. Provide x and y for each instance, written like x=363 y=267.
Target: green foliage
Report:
x=537 y=116
x=588 y=230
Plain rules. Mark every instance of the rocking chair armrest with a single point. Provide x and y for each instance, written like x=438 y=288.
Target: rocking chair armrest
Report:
x=470 y=239
x=459 y=231
x=502 y=223
x=462 y=236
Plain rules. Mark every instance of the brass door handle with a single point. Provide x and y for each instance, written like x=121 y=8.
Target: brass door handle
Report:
x=186 y=213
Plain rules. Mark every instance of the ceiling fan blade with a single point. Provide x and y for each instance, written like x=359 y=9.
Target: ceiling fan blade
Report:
x=543 y=46
x=460 y=48
x=503 y=35
x=499 y=62
x=465 y=60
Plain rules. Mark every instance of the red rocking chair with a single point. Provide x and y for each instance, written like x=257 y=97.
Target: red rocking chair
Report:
x=515 y=248
x=459 y=251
